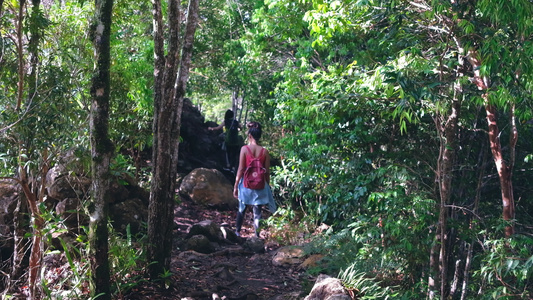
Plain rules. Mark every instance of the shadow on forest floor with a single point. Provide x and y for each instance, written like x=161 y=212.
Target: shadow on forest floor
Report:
x=230 y=273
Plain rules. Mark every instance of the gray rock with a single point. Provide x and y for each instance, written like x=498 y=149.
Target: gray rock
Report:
x=288 y=256
x=328 y=288
x=131 y=212
x=208 y=229
x=199 y=243
x=66 y=186
x=71 y=211
x=255 y=245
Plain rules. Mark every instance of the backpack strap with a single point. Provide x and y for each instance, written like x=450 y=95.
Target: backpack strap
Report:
x=252 y=155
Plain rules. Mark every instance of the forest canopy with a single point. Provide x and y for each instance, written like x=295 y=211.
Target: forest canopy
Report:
x=404 y=126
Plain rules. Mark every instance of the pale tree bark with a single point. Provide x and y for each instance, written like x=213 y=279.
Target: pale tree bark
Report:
x=101 y=150
x=171 y=73
x=504 y=168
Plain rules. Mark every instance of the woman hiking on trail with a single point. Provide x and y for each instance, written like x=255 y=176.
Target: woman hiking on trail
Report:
x=248 y=192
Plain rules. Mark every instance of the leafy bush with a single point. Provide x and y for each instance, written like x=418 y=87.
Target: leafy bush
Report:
x=363 y=287
x=506 y=269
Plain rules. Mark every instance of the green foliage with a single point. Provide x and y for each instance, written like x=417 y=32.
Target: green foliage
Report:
x=287 y=228
x=353 y=94
x=53 y=119
x=357 y=104
x=506 y=268
x=132 y=77
x=127 y=260
x=363 y=287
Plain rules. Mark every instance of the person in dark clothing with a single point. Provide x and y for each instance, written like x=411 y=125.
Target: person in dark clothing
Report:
x=231 y=139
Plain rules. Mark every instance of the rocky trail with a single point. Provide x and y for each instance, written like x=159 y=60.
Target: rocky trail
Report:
x=234 y=270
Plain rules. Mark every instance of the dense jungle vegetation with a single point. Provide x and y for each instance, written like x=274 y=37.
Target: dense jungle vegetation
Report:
x=406 y=126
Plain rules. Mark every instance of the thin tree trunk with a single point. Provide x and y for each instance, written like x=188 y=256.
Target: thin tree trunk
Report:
x=161 y=190
x=504 y=169
x=33 y=48
x=468 y=263
x=168 y=102
x=33 y=199
x=21 y=244
x=101 y=150
x=38 y=224
x=446 y=162
x=20 y=54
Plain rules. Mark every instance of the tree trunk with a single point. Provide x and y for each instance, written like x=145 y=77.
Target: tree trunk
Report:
x=468 y=262
x=33 y=48
x=504 y=169
x=101 y=150
x=38 y=223
x=446 y=161
x=21 y=243
x=445 y=165
x=26 y=182
x=20 y=54
x=169 y=92
x=21 y=223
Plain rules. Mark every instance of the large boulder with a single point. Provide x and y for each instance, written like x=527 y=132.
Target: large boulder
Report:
x=63 y=185
x=199 y=147
x=328 y=288
x=210 y=188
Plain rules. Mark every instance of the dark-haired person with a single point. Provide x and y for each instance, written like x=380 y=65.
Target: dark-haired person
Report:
x=231 y=141
x=254 y=197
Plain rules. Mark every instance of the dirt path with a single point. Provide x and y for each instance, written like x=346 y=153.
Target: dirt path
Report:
x=230 y=273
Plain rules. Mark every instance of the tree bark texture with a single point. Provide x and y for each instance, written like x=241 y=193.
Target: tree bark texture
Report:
x=101 y=150
x=33 y=48
x=38 y=224
x=20 y=54
x=21 y=223
x=504 y=169
x=482 y=161
x=445 y=164
x=448 y=132
x=33 y=191
x=171 y=73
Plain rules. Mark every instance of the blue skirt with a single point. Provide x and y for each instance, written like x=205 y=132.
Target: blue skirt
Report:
x=256 y=197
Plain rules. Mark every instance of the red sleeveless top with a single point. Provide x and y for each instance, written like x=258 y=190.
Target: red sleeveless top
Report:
x=250 y=156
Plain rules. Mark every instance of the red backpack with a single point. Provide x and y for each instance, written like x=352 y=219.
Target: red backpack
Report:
x=254 y=174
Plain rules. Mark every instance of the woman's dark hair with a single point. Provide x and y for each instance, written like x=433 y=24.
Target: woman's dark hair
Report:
x=254 y=129
x=228 y=115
